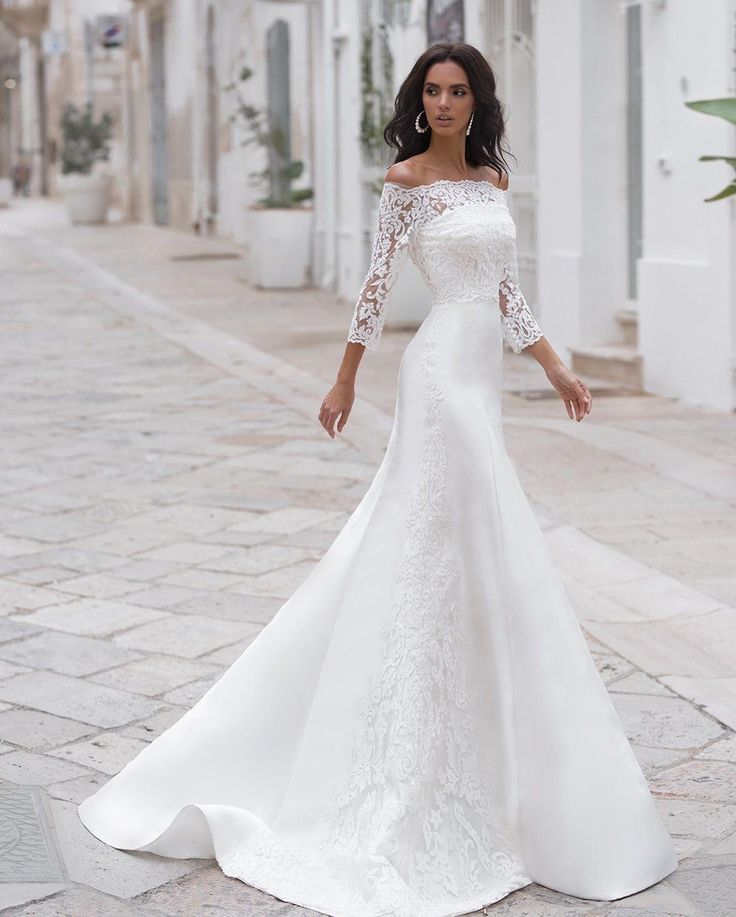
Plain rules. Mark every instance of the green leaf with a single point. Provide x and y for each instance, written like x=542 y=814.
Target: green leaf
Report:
x=728 y=191
x=731 y=160
x=84 y=140
x=721 y=108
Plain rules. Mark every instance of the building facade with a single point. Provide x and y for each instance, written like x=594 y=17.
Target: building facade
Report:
x=631 y=273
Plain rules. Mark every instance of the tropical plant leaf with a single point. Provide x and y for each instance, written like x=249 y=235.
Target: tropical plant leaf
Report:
x=728 y=191
x=721 y=108
x=731 y=160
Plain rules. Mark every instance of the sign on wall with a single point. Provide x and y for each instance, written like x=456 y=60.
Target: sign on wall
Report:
x=111 y=30
x=445 y=21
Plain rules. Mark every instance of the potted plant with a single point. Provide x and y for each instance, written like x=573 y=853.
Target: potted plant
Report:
x=280 y=222
x=85 y=141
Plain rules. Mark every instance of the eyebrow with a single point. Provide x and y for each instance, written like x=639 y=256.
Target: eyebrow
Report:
x=453 y=86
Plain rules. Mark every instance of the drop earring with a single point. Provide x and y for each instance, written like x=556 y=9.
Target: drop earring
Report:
x=420 y=130
x=470 y=123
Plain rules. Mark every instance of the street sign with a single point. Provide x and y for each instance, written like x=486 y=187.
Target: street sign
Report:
x=111 y=30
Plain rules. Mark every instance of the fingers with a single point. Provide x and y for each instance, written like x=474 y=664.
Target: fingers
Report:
x=585 y=399
x=588 y=397
x=581 y=402
x=328 y=422
x=322 y=412
x=327 y=419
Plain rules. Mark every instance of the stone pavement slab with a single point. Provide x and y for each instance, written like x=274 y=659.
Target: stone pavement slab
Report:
x=76 y=699
x=165 y=485
x=106 y=752
x=33 y=729
x=120 y=873
x=65 y=653
x=189 y=636
x=154 y=674
x=716 y=695
x=90 y=617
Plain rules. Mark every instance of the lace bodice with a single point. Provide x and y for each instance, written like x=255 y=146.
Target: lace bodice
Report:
x=462 y=238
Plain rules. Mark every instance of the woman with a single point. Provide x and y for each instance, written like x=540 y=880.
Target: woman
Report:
x=421 y=729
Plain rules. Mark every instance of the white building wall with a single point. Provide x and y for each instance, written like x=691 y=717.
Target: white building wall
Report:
x=30 y=127
x=357 y=214
x=581 y=201
x=348 y=161
x=241 y=28
x=686 y=275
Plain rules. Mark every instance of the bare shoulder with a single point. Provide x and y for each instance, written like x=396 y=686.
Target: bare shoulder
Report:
x=406 y=172
x=500 y=179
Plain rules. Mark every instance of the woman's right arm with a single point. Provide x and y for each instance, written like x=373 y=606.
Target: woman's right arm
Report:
x=389 y=251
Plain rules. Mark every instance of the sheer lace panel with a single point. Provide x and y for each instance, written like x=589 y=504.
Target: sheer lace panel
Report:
x=402 y=211
x=463 y=264
x=390 y=244
x=520 y=328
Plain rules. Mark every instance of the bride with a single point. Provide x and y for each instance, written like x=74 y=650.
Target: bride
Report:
x=421 y=729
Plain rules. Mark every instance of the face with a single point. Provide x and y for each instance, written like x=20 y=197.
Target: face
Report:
x=447 y=98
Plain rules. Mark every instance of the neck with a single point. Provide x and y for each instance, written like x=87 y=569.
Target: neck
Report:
x=448 y=153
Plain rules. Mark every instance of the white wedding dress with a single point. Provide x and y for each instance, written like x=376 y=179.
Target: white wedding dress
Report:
x=421 y=728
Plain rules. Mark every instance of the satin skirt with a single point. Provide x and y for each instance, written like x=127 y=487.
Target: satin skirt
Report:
x=421 y=729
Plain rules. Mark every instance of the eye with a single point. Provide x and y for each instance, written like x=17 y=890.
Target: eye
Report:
x=431 y=90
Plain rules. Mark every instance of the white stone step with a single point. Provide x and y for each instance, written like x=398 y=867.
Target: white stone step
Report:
x=617 y=363
x=628 y=320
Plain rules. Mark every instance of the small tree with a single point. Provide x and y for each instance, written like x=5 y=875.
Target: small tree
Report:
x=721 y=108
x=84 y=139
x=281 y=170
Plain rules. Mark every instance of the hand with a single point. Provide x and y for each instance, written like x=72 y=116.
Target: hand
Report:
x=337 y=403
x=573 y=391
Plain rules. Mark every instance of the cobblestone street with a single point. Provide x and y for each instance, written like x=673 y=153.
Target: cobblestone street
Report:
x=165 y=486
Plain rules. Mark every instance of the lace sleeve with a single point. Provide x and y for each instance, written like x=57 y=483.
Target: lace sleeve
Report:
x=390 y=246
x=518 y=324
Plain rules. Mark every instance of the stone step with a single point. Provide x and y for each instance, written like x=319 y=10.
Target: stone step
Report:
x=618 y=363
x=628 y=320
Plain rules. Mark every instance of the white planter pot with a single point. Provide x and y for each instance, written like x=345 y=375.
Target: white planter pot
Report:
x=6 y=191
x=86 y=196
x=280 y=243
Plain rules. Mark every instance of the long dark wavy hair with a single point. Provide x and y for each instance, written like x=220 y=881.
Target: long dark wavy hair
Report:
x=483 y=146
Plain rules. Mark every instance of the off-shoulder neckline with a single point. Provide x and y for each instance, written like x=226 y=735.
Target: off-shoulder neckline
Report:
x=447 y=181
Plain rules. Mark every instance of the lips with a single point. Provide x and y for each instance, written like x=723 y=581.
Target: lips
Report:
x=443 y=120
